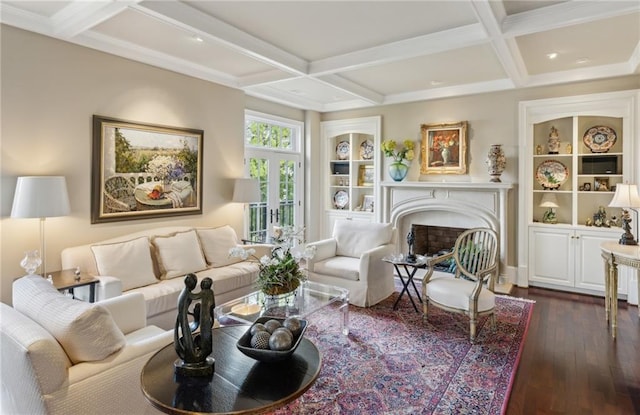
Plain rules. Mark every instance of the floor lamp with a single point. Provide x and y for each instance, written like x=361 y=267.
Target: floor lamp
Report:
x=41 y=197
x=626 y=197
x=246 y=191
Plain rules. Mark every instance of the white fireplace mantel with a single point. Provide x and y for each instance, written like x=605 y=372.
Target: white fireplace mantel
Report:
x=455 y=204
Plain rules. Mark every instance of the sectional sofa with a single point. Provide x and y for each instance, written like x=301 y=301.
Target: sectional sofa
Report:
x=154 y=262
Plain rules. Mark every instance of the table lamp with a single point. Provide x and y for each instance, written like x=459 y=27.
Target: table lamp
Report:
x=626 y=197
x=40 y=197
x=550 y=201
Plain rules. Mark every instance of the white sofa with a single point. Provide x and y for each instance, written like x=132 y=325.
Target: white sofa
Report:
x=352 y=259
x=64 y=356
x=154 y=263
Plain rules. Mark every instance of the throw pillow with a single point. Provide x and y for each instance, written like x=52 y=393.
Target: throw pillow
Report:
x=129 y=261
x=179 y=254
x=85 y=331
x=216 y=243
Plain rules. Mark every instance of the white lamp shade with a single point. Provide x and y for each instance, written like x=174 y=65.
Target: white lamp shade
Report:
x=626 y=196
x=549 y=200
x=40 y=197
x=246 y=191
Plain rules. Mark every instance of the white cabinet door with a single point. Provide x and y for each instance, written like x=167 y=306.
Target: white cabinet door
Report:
x=551 y=256
x=589 y=262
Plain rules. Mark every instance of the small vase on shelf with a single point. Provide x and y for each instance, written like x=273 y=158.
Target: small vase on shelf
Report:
x=398 y=171
x=496 y=162
x=553 y=143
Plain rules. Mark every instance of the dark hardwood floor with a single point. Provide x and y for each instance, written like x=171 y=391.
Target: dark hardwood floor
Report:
x=570 y=364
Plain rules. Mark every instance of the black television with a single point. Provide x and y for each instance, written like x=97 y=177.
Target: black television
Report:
x=600 y=165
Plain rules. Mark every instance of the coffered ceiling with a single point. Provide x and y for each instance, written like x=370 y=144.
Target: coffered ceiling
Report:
x=335 y=55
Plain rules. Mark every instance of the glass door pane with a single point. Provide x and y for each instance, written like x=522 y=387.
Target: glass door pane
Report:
x=279 y=206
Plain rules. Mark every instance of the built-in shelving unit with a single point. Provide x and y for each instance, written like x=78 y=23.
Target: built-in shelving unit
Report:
x=351 y=154
x=595 y=153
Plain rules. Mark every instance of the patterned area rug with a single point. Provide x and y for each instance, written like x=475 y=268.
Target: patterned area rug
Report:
x=393 y=363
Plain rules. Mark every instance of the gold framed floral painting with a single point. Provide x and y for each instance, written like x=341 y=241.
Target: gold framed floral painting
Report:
x=444 y=148
x=141 y=170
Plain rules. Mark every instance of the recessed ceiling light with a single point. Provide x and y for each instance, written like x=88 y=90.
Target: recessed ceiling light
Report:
x=436 y=83
x=552 y=55
x=198 y=39
x=582 y=61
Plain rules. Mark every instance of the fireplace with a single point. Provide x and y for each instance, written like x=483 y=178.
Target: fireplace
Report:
x=431 y=240
x=457 y=206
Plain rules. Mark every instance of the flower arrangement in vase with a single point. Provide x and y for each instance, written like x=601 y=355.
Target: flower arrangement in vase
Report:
x=398 y=169
x=280 y=272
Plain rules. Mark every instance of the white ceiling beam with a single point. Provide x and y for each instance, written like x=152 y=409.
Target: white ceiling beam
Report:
x=460 y=37
x=266 y=77
x=107 y=44
x=285 y=98
x=451 y=91
x=565 y=14
x=507 y=53
x=188 y=18
x=24 y=19
x=352 y=88
x=82 y=15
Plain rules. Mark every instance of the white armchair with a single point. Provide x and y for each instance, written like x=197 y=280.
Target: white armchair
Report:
x=55 y=366
x=352 y=259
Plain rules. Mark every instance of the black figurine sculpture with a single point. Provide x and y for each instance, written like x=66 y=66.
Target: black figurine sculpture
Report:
x=627 y=237
x=194 y=347
x=411 y=240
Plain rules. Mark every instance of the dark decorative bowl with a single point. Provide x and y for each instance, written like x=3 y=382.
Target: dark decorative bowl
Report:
x=266 y=355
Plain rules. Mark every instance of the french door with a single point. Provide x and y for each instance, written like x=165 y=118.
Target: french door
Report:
x=278 y=167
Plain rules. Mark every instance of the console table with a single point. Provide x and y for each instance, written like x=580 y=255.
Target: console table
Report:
x=613 y=255
x=239 y=385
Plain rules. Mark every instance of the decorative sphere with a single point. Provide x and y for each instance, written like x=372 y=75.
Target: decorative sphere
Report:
x=257 y=327
x=294 y=325
x=260 y=340
x=284 y=330
x=280 y=340
x=272 y=325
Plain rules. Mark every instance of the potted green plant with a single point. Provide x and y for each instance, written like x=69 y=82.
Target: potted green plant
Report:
x=280 y=272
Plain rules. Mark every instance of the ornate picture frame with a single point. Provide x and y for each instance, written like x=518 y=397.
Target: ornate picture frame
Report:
x=601 y=184
x=365 y=175
x=444 y=148
x=367 y=203
x=142 y=171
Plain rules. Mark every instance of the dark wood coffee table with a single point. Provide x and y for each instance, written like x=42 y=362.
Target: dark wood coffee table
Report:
x=240 y=385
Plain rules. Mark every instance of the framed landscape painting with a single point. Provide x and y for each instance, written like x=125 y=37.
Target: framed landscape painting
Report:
x=144 y=170
x=444 y=148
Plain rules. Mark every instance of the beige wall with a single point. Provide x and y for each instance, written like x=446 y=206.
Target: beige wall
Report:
x=50 y=90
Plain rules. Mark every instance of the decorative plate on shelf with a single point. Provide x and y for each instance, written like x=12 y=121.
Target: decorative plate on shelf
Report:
x=599 y=138
x=342 y=150
x=366 y=150
x=551 y=174
x=340 y=199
